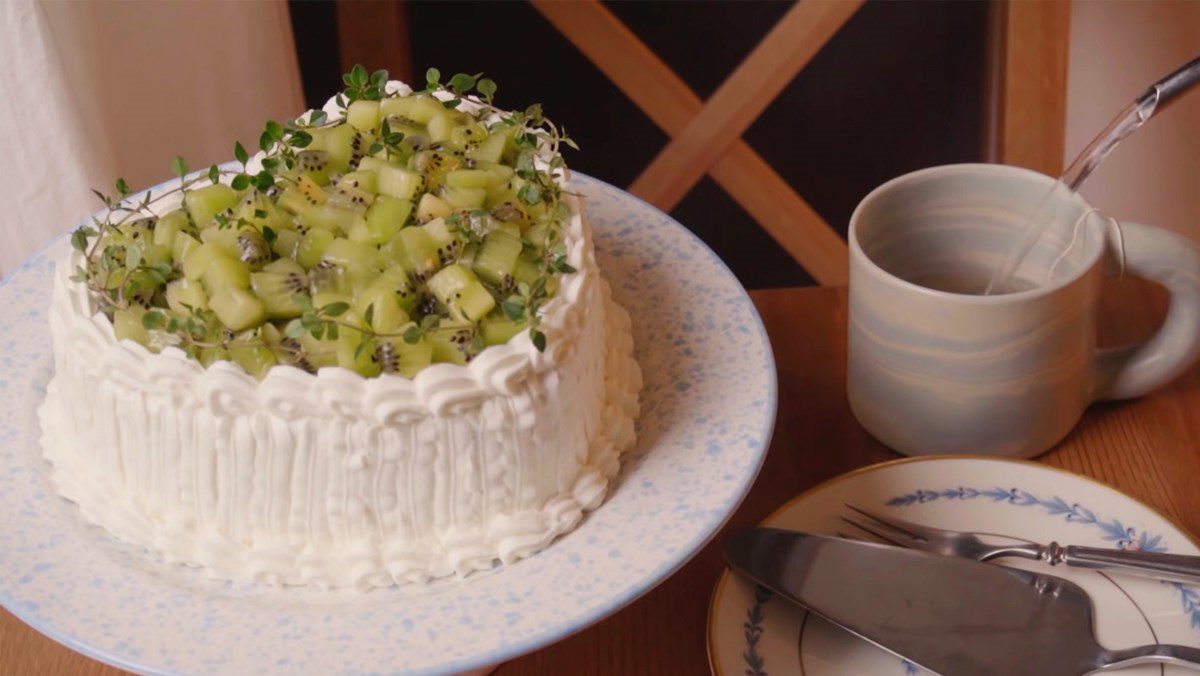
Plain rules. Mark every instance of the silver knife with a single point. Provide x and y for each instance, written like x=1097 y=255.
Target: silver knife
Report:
x=949 y=615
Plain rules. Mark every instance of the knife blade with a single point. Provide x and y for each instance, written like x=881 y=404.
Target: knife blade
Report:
x=949 y=615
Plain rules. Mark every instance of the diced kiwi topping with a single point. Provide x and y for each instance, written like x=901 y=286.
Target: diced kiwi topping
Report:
x=413 y=230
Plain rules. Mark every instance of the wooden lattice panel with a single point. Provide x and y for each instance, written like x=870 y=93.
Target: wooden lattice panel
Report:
x=706 y=137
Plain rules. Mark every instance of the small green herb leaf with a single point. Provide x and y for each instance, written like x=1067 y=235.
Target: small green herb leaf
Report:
x=153 y=320
x=513 y=309
x=487 y=88
x=335 y=309
x=461 y=82
x=264 y=180
x=133 y=256
x=525 y=167
x=156 y=275
x=561 y=265
x=79 y=239
x=530 y=194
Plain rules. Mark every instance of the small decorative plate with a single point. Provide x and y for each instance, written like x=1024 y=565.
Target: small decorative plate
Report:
x=708 y=409
x=752 y=632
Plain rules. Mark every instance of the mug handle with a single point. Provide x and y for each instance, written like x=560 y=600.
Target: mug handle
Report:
x=1173 y=261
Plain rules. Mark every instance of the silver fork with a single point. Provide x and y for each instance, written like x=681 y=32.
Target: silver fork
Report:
x=1175 y=567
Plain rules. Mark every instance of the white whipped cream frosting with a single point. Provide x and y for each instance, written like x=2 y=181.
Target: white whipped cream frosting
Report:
x=337 y=480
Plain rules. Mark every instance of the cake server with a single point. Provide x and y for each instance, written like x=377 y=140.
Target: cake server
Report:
x=1175 y=567
x=950 y=615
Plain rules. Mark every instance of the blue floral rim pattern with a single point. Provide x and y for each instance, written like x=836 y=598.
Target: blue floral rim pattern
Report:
x=753 y=630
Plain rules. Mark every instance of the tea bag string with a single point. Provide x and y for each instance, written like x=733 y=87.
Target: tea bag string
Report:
x=1116 y=227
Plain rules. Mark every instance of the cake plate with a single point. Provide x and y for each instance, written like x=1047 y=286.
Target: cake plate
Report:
x=708 y=408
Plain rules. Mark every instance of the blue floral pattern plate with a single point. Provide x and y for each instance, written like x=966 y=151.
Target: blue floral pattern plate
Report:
x=707 y=414
x=753 y=632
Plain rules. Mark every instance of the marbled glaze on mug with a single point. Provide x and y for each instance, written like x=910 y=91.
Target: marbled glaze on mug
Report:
x=931 y=371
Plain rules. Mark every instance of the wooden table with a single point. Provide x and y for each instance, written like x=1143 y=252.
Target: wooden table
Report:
x=1149 y=448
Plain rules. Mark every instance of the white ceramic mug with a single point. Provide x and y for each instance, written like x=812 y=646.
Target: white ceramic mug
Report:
x=935 y=371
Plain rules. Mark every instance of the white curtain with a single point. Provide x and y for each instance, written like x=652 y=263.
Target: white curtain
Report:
x=99 y=90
